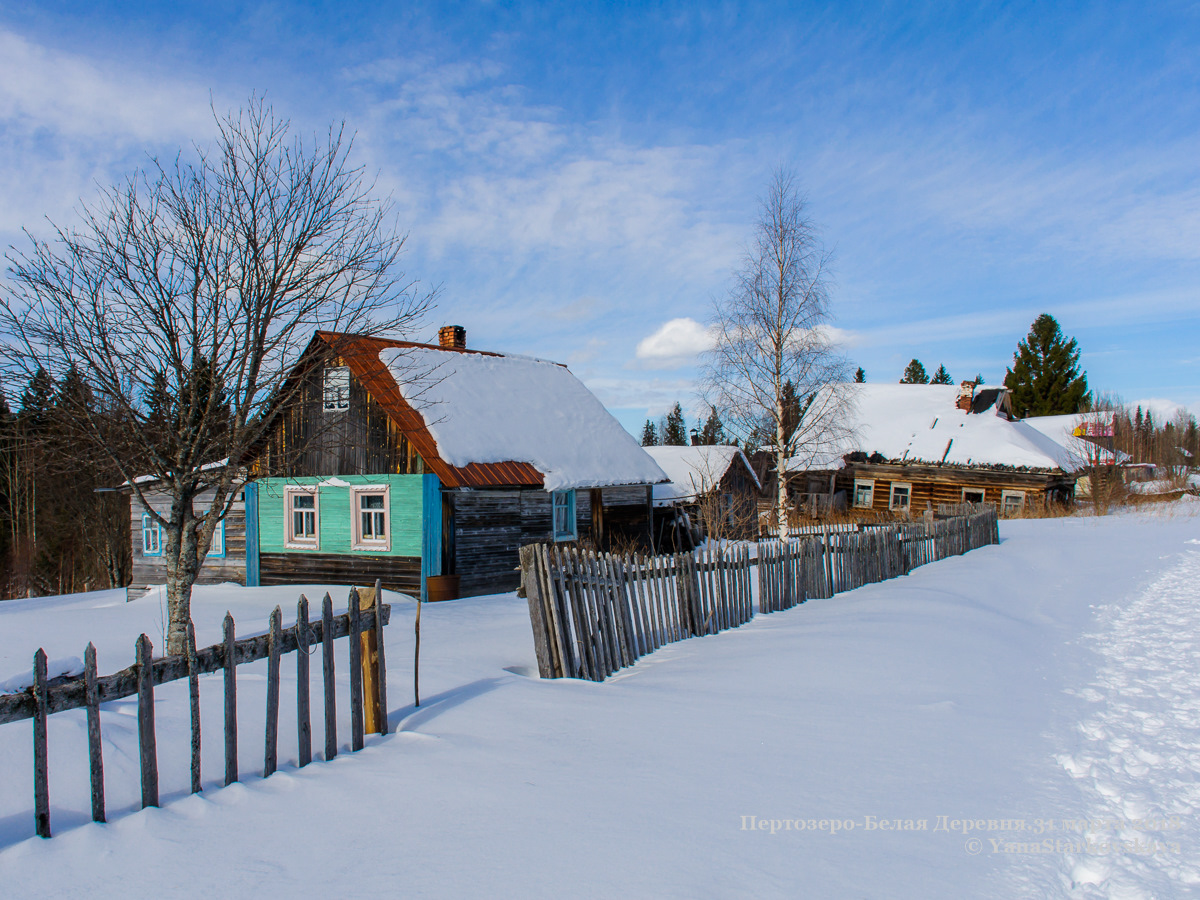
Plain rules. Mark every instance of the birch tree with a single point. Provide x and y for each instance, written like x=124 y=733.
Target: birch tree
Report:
x=182 y=296
x=771 y=330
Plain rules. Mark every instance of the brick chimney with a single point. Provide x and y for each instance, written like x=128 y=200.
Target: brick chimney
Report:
x=453 y=337
x=966 y=393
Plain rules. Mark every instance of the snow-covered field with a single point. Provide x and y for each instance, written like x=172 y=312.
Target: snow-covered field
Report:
x=1023 y=721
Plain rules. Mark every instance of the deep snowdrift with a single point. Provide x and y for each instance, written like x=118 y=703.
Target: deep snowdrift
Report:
x=1054 y=677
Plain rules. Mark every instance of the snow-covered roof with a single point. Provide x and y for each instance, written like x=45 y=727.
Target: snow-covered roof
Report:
x=1068 y=431
x=921 y=423
x=694 y=470
x=486 y=408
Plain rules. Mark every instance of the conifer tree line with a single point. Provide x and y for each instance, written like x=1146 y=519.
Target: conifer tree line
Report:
x=671 y=430
x=62 y=527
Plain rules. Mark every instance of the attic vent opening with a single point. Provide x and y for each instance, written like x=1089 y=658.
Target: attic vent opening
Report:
x=336 y=391
x=452 y=337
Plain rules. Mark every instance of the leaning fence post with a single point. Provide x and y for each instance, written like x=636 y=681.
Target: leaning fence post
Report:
x=41 y=774
x=356 y=687
x=303 y=719
x=146 y=740
x=271 y=751
x=369 y=645
x=194 y=703
x=231 y=752
x=327 y=677
x=95 y=755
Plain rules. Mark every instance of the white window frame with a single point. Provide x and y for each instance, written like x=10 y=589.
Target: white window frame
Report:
x=968 y=490
x=152 y=543
x=216 y=547
x=358 y=542
x=869 y=484
x=1004 y=498
x=289 y=537
x=335 y=389
x=569 y=498
x=892 y=495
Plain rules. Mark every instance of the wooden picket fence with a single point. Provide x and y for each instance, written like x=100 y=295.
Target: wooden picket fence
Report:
x=360 y=624
x=594 y=613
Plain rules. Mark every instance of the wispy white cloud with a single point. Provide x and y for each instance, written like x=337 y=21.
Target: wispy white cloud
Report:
x=675 y=344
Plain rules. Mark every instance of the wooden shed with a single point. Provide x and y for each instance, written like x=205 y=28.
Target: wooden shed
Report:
x=713 y=492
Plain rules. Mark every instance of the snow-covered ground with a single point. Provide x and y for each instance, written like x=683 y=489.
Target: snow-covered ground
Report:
x=1023 y=721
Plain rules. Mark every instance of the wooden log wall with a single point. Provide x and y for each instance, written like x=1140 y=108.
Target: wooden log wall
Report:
x=361 y=624
x=595 y=613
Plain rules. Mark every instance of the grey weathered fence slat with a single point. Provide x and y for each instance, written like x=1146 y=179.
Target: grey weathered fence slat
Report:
x=147 y=744
x=41 y=754
x=303 y=706
x=271 y=731
x=327 y=674
x=356 y=686
x=194 y=707
x=380 y=660
x=231 y=746
x=95 y=748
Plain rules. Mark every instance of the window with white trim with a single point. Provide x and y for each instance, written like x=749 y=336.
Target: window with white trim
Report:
x=371 y=508
x=901 y=497
x=1012 y=503
x=563 y=503
x=972 y=495
x=302 y=518
x=864 y=493
x=151 y=536
x=337 y=389
x=216 y=547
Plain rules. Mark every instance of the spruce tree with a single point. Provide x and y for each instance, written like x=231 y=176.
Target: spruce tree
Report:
x=941 y=376
x=914 y=373
x=860 y=376
x=649 y=435
x=713 y=431
x=1045 y=379
x=675 y=433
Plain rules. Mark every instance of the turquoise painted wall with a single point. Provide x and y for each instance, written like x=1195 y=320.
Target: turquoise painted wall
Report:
x=334 y=529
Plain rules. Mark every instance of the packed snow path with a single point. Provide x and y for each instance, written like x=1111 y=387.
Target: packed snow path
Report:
x=1138 y=758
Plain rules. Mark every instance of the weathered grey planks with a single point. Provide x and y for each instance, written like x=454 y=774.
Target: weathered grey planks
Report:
x=303 y=713
x=271 y=732
x=194 y=706
x=593 y=614
x=229 y=661
x=147 y=741
x=327 y=677
x=41 y=752
x=95 y=751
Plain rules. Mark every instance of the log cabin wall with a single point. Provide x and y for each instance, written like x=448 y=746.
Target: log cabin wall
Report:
x=934 y=485
x=360 y=440
x=151 y=569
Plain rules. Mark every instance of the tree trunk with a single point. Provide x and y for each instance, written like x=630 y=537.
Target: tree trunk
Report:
x=183 y=565
x=781 y=494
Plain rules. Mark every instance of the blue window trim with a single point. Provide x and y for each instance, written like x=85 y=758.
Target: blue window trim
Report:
x=569 y=498
x=149 y=526
x=220 y=529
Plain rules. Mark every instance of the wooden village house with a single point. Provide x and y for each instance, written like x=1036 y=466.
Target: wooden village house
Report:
x=902 y=449
x=409 y=462
x=712 y=492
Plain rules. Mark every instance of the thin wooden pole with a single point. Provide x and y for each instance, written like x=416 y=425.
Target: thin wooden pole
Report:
x=146 y=740
x=380 y=659
x=356 y=695
x=194 y=703
x=417 y=651
x=303 y=714
x=327 y=677
x=95 y=754
x=368 y=660
x=231 y=749
x=274 y=639
x=41 y=755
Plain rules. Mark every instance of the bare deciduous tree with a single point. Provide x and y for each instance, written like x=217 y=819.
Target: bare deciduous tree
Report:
x=772 y=330
x=182 y=296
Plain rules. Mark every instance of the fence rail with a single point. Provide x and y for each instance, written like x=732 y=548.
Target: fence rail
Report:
x=361 y=624
x=594 y=613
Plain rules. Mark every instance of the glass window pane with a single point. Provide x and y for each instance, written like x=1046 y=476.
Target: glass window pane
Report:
x=372 y=501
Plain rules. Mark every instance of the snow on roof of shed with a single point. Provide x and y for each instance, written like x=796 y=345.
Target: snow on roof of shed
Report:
x=694 y=470
x=1066 y=430
x=921 y=423
x=486 y=408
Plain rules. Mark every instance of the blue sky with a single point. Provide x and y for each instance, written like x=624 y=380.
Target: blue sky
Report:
x=581 y=179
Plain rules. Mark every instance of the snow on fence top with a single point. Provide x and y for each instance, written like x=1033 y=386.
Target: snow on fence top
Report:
x=491 y=409
x=920 y=423
x=694 y=470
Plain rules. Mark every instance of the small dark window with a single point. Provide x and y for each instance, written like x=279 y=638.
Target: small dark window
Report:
x=337 y=389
